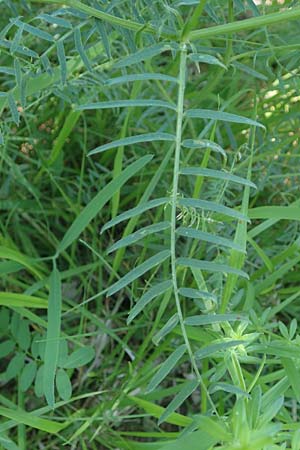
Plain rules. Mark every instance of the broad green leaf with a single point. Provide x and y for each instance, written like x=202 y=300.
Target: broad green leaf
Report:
x=207 y=319
x=186 y=390
x=148 y=137
x=213 y=207
x=222 y=116
x=140 y=77
x=198 y=440
x=127 y=104
x=80 y=49
x=204 y=143
x=218 y=174
x=139 y=271
x=63 y=352
x=274 y=393
x=79 y=358
x=206 y=59
x=210 y=266
x=39 y=382
x=207 y=237
x=137 y=210
x=62 y=61
x=97 y=203
x=20 y=416
x=166 y=329
x=275 y=212
x=15 y=366
x=272 y=410
x=213 y=350
x=166 y=367
x=153 y=292
x=63 y=385
x=144 y=54
x=27 y=375
x=53 y=335
x=23 y=336
x=6 y=348
x=138 y=235
x=293 y=376
x=196 y=293
x=11 y=299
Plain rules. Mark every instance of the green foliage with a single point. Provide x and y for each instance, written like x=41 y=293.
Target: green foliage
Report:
x=149 y=240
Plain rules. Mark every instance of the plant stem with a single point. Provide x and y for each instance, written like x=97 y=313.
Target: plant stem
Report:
x=180 y=113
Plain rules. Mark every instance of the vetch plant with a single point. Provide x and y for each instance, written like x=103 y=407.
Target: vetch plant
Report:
x=160 y=326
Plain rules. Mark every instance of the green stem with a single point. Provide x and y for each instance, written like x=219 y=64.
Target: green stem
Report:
x=247 y=24
x=180 y=114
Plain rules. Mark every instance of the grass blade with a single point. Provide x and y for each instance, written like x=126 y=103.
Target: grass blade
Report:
x=53 y=335
x=187 y=389
x=97 y=203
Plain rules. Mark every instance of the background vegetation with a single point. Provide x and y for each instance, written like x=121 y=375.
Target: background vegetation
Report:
x=150 y=249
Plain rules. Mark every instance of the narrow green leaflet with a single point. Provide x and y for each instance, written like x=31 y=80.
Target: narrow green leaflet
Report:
x=13 y=300
x=62 y=61
x=204 y=143
x=249 y=70
x=196 y=293
x=166 y=329
x=208 y=237
x=27 y=375
x=148 y=137
x=213 y=349
x=35 y=31
x=275 y=212
x=139 y=271
x=79 y=358
x=7 y=443
x=220 y=115
x=206 y=59
x=210 y=266
x=137 y=210
x=53 y=335
x=138 y=235
x=140 y=77
x=207 y=319
x=80 y=49
x=55 y=20
x=20 y=416
x=127 y=104
x=166 y=367
x=97 y=203
x=218 y=174
x=144 y=54
x=63 y=385
x=186 y=390
x=225 y=387
x=213 y=207
x=153 y=292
